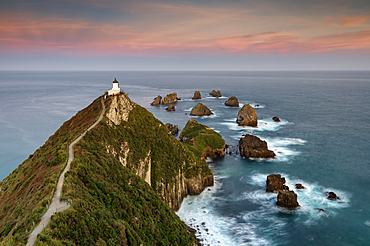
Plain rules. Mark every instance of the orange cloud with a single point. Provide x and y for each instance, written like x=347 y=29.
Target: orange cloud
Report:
x=354 y=21
x=294 y=44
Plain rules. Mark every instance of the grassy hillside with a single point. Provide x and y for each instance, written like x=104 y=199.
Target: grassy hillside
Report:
x=128 y=175
x=26 y=193
x=202 y=140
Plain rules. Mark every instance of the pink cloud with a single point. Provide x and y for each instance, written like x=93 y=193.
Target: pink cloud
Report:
x=354 y=21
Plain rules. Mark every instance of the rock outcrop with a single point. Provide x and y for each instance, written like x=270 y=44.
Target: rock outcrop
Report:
x=171 y=108
x=232 y=102
x=247 y=116
x=197 y=95
x=216 y=93
x=174 y=129
x=276 y=119
x=287 y=199
x=332 y=196
x=203 y=139
x=275 y=183
x=253 y=147
x=200 y=110
x=170 y=99
x=157 y=101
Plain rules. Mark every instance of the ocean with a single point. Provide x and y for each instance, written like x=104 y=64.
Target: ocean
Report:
x=321 y=142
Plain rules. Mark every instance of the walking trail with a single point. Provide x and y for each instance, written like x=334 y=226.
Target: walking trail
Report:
x=56 y=204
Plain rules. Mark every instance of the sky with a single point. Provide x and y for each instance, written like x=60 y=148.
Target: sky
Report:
x=185 y=35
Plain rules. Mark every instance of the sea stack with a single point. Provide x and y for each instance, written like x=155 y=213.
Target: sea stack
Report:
x=216 y=93
x=170 y=98
x=253 y=147
x=275 y=183
x=287 y=199
x=247 y=116
x=232 y=102
x=197 y=95
x=200 y=110
x=171 y=108
x=157 y=101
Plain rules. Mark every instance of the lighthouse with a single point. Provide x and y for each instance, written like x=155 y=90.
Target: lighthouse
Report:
x=115 y=88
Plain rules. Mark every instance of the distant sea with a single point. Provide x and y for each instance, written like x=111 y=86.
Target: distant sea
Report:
x=321 y=142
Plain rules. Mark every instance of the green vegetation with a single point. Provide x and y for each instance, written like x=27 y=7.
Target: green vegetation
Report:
x=201 y=139
x=26 y=193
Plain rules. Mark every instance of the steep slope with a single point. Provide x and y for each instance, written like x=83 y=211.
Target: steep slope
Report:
x=128 y=173
x=26 y=193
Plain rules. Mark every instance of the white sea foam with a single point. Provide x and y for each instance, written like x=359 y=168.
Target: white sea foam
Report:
x=213 y=228
x=367 y=222
x=313 y=199
x=281 y=149
x=254 y=105
x=262 y=125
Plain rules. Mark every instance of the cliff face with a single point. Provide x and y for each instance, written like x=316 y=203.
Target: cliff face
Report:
x=127 y=177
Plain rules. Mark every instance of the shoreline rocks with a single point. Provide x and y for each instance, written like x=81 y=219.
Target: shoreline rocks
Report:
x=201 y=110
x=253 y=147
x=157 y=101
x=174 y=129
x=247 y=116
x=170 y=99
x=232 y=102
x=197 y=95
x=276 y=119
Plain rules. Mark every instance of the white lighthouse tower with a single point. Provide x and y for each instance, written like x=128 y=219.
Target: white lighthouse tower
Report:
x=115 y=88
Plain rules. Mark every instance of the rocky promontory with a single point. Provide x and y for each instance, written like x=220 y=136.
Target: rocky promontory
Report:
x=197 y=95
x=247 y=116
x=157 y=101
x=202 y=139
x=232 y=102
x=170 y=99
x=200 y=110
x=253 y=147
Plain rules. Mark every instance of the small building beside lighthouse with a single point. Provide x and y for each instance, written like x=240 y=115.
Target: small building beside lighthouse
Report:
x=115 y=88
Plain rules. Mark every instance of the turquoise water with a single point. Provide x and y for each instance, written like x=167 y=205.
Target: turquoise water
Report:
x=322 y=142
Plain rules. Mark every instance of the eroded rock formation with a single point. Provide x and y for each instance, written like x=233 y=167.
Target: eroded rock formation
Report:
x=253 y=147
x=157 y=101
x=174 y=129
x=232 y=102
x=247 y=116
x=275 y=183
x=287 y=199
x=276 y=119
x=200 y=110
x=171 y=108
x=215 y=93
x=197 y=95
x=170 y=98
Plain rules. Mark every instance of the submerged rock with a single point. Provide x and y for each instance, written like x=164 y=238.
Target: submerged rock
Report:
x=287 y=199
x=232 y=102
x=170 y=98
x=276 y=119
x=171 y=108
x=299 y=186
x=197 y=95
x=253 y=147
x=332 y=196
x=200 y=110
x=157 y=101
x=247 y=116
x=275 y=183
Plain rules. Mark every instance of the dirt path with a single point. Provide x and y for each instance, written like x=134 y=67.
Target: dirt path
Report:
x=56 y=204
